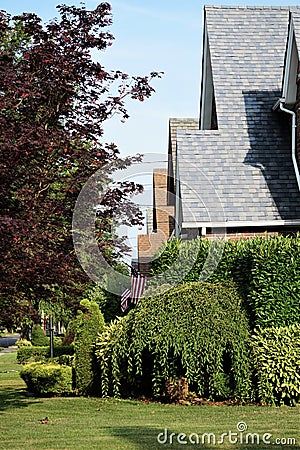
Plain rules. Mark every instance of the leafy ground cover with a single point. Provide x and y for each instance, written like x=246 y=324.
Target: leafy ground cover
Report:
x=93 y=423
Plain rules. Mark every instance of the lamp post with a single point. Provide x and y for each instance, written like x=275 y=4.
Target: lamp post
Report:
x=51 y=336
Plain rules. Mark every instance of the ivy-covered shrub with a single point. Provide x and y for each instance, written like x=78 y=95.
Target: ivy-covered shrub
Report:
x=38 y=337
x=196 y=330
x=266 y=271
x=45 y=379
x=277 y=364
x=33 y=354
x=87 y=325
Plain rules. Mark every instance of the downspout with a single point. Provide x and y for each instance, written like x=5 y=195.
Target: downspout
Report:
x=177 y=198
x=294 y=126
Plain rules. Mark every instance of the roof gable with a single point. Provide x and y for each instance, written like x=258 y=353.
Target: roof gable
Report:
x=289 y=84
x=247 y=161
x=247 y=48
x=296 y=23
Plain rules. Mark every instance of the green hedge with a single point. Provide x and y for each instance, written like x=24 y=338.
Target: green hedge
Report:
x=32 y=354
x=23 y=343
x=197 y=330
x=277 y=362
x=87 y=325
x=45 y=379
x=266 y=271
x=275 y=282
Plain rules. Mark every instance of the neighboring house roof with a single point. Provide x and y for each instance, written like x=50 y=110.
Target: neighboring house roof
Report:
x=247 y=162
x=174 y=125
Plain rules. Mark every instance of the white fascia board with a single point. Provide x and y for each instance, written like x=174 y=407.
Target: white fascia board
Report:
x=238 y=224
x=288 y=60
x=204 y=73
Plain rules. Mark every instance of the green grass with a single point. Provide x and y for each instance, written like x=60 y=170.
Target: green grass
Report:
x=92 y=423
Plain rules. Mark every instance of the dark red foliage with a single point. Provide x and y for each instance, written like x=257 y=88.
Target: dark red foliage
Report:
x=54 y=99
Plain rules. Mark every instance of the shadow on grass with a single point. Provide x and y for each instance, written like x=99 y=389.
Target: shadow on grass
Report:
x=136 y=437
x=15 y=398
x=154 y=439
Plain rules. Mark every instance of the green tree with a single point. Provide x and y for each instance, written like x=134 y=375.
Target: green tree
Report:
x=54 y=99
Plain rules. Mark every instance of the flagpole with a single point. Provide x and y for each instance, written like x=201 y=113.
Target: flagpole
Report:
x=133 y=270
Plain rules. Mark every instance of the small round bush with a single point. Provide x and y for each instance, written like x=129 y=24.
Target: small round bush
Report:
x=45 y=379
x=38 y=337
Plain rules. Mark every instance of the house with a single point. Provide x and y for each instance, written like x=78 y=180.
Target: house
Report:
x=239 y=172
x=234 y=171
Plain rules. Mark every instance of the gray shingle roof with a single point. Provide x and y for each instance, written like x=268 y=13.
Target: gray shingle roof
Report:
x=296 y=23
x=247 y=161
x=174 y=125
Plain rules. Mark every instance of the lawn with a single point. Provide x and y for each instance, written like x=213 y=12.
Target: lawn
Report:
x=92 y=423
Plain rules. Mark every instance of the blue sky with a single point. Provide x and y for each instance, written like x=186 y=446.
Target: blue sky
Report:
x=162 y=35
x=150 y=35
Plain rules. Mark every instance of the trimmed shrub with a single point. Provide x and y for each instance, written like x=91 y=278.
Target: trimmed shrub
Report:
x=45 y=379
x=33 y=354
x=38 y=337
x=109 y=304
x=275 y=282
x=197 y=331
x=277 y=363
x=57 y=340
x=23 y=343
x=88 y=324
x=66 y=360
x=180 y=261
x=266 y=271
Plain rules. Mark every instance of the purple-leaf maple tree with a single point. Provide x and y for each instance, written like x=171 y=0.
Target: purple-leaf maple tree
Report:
x=54 y=99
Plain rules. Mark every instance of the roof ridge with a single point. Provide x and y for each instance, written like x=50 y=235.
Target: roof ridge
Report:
x=285 y=8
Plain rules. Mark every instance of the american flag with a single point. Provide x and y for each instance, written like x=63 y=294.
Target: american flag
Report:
x=138 y=283
x=124 y=299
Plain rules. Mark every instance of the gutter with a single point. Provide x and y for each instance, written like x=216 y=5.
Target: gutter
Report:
x=294 y=126
x=240 y=224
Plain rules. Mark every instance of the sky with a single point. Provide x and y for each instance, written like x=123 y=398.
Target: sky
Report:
x=150 y=35
x=161 y=35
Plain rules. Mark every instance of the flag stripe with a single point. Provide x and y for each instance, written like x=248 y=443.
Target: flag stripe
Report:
x=138 y=283
x=124 y=299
